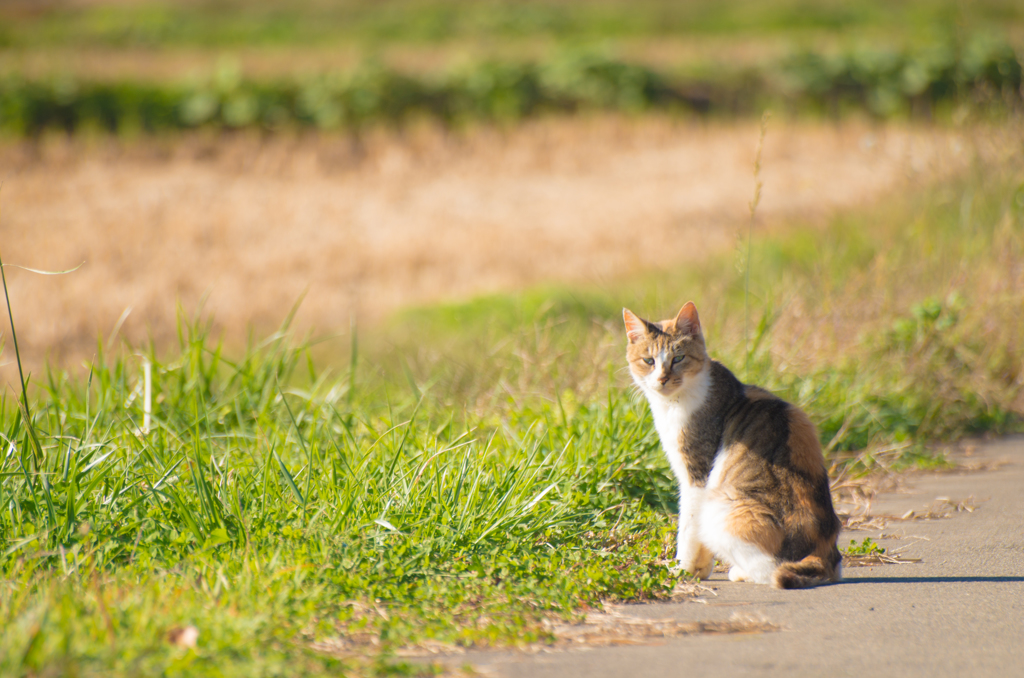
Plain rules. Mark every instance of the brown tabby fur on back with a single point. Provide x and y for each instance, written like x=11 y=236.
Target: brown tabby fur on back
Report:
x=750 y=467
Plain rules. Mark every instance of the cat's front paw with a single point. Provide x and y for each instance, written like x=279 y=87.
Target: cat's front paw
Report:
x=700 y=564
x=704 y=571
x=736 y=574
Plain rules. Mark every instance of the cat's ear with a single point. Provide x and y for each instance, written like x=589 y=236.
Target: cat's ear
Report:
x=636 y=328
x=687 y=320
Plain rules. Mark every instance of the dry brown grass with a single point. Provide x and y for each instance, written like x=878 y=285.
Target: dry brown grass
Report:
x=616 y=628
x=613 y=626
x=368 y=226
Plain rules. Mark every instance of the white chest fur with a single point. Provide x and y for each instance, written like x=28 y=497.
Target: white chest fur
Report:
x=671 y=416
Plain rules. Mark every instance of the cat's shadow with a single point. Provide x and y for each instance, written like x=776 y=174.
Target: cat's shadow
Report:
x=927 y=580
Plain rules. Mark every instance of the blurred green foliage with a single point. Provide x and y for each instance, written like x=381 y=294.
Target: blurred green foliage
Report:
x=888 y=82
x=223 y=23
x=982 y=71
x=371 y=94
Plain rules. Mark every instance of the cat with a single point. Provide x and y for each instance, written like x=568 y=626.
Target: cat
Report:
x=753 y=486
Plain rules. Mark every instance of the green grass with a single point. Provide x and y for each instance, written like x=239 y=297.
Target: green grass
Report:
x=267 y=23
x=271 y=516
x=474 y=469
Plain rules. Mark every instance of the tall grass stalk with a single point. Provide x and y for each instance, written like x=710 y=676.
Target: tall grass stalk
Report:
x=37 y=451
x=754 y=202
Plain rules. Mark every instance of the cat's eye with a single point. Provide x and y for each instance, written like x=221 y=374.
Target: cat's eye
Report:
x=649 y=361
x=678 y=359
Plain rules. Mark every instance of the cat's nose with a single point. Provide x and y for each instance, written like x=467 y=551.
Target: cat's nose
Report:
x=664 y=378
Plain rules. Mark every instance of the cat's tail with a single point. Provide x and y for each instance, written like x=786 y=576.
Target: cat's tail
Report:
x=814 y=570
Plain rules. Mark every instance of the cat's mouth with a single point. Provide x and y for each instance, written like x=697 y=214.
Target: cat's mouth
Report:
x=667 y=388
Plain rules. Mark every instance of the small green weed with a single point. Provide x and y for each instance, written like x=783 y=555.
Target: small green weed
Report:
x=866 y=548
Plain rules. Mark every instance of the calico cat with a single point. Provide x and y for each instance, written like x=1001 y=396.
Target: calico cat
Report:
x=753 y=487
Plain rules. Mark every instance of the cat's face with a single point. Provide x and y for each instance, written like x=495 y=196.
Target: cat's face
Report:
x=664 y=356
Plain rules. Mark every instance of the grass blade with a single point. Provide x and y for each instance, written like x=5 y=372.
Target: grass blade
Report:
x=288 y=478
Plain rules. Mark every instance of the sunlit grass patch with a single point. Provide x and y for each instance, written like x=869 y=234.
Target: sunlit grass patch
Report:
x=273 y=516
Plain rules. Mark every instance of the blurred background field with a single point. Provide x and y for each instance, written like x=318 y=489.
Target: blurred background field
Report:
x=376 y=155
x=438 y=447
x=243 y=226
x=151 y=66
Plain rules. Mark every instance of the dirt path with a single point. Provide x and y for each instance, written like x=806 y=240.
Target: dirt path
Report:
x=959 y=611
x=366 y=228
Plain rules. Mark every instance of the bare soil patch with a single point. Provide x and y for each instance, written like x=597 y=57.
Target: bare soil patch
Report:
x=366 y=226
